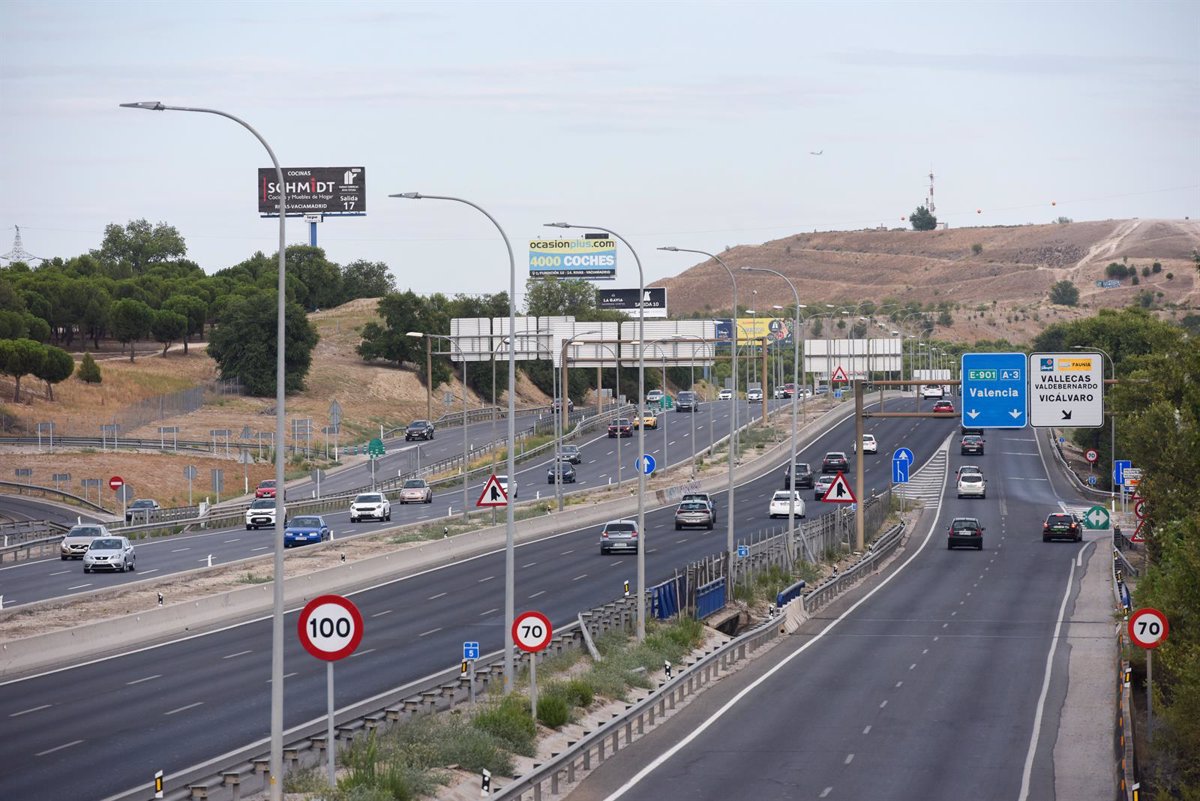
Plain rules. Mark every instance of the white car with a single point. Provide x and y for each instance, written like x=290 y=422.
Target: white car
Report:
x=654 y=396
x=77 y=541
x=931 y=391
x=511 y=494
x=781 y=503
x=972 y=485
x=261 y=513
x=754 y=395
x=110 y=553
x=725 y=394
x=374 y=505
x=869 y=444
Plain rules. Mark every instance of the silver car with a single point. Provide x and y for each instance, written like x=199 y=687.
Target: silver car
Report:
x=75 y=544
x=110 y=553
x=822 y=485
x=619 y=535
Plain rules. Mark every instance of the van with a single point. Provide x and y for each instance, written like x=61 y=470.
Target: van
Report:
x=686 y=402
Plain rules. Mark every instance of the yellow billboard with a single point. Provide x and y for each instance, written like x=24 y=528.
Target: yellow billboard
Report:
x=753 y=329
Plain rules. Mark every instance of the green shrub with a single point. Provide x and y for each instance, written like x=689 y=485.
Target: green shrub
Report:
x=554 y=711
x=435 y=741
x=510 y=722
x=89 y=371
x=579 y=693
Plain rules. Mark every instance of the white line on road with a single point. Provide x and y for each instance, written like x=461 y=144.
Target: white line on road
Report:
x=183 y=708
x=435 y=597
x=381 y=614
x=536 y=594
x=899 y=684
x=180 y=550
x=867 y=730
x=577 y=578
x=883 y=703
x=58 y=748
x=147 y=678
x=486 y=578
x=564 y=553
x=431 y=631
x=79 y=586
x=239 y=653
x=488 y=612
x=151 y=570
x=362 y=653
x=27 y=711
x=849 y=759
x=825 y=792
x=531 y=564
x=913 y=666
x=235 y=539
x=60 y=572
x=258 y=549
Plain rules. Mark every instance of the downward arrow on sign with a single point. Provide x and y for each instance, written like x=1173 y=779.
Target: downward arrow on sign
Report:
x=972 y=414
x=1015 y=414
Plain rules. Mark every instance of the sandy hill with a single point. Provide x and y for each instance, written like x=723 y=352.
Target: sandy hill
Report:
x=1001 y=290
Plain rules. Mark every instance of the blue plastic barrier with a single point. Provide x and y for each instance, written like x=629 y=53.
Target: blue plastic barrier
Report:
x=664 y=600
x=788 y=594
x=710 y=598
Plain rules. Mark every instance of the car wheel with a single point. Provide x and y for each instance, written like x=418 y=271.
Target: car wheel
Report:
x=710 y=526
x=133 y=565
x=979 y=547
x=1045 y=538
x=389 y=516
x=429 y=499
x=86 y=569
x=63 y=558
x=603 y=552
x=949 y=546
x=678 y=527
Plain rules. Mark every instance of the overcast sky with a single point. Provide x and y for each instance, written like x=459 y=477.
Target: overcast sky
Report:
x=688 y=124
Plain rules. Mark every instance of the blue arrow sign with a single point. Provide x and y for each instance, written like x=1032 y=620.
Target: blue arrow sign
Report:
x=743 y=551
x=470 y=650
x=1119 y=468
x=646 y=464
x=899 y=471
x=994 y=390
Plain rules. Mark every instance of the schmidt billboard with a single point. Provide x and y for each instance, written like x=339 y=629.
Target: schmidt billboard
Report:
x=314 y=190
x=594 y=258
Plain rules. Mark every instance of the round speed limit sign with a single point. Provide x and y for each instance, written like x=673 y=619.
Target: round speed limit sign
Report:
x=330 y=627
x=1091 y=456
x=1148 y=627
x=531 y=631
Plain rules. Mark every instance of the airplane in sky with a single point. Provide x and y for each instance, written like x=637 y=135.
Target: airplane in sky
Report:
x=815 y=152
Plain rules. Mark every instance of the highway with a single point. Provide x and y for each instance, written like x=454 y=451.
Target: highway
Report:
x=930 y=687
x=95 y=729
x=36 y=580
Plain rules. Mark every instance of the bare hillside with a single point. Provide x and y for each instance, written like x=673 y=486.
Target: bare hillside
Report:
x=998 y=289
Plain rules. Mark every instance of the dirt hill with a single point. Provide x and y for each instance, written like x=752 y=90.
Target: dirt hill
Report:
x=998 y=289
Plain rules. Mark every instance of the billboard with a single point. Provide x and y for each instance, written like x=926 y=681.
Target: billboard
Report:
x=753 y=329
x=654 y=303
x=592 y=258
x=314 y=190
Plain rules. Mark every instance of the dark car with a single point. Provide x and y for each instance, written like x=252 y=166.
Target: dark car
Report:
x=621 y=427
x=969 y=430
x=563 y=470
x=804 y=476
x=965 y=531
x=570 y=453
x=143 y=509
x=418 y=429
x=1061 y=525
x=835 y=462
x=305 y=529
x=694 y=513
x=971 y=443
x=686 y=401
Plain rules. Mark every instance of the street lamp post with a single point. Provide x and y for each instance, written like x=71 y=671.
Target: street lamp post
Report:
x=795 y=409
x=466 y=451
x=509 y=552
x=733 y=425
x=276 y=759
x=1112 y=442
x=561 y=417
x=641 y=568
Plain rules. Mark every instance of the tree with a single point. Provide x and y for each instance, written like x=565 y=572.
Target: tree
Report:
x=127 y=252
x=130 y=321
x=366 y=279
x=945 y=318
x=977 y=248
x=318 y=280
x=19 y=358
x=554 y=297
x=243 y=344
x=922 y=219
x=194 y=309
x=12 y=325
x=55 y=368
x=1064 y=293
x=89 y=371
x=167 y=326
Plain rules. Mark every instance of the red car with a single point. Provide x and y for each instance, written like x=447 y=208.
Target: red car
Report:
x=621 y=427
x=944 y=406
x=266 y=489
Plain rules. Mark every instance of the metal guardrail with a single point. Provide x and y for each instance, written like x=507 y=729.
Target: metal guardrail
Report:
x=835 y=585
x=67 y=497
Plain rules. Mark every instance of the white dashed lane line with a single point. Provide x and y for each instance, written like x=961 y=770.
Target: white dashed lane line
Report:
x=488 y=612
x=27 y=711
x=536 y=594
x=431 y=631
x=180 y=550
x=381 y=614
x=147 y=572
x=79 y=586
x=239 y=653
x=147 y=678
x=183 y=708
x=487 y=578
x=435 y=597
x=58 y=748
x=531 y=564
x=60 y=573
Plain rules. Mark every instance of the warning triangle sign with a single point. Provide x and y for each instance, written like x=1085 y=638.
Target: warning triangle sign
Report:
x=840 y=374
x=839 y=491
x=493 y=494
x=1138 y=536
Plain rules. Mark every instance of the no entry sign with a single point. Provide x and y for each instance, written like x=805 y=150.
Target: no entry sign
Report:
x=115 y=483
x=330 y=627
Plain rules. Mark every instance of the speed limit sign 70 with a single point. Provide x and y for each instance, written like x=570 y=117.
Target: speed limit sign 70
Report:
x=1148 y=627
x=531 y=631
x=330 y=627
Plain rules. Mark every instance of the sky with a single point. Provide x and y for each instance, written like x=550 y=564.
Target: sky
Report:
x=688 y=124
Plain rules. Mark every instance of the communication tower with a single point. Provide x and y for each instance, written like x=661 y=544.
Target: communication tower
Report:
x=18 y=252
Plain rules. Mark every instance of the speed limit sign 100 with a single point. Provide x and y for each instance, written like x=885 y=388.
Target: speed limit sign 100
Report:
x=531 y=631
x=1148 y=627
x=330 y=627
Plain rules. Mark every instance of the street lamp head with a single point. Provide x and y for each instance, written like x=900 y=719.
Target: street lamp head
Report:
x=409 y=195
x=558 y=225
x=671 y=248
x=148 y=105
x=416 y=334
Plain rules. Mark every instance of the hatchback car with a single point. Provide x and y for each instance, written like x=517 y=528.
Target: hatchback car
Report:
x=963 y=532
x=621 y=427
x=265 y=488
x=943 y=407
x=306 y=529
x=700 y=496
x=416 y=490
x=374 y=505
x=419 y=429
x=972 y=485
x=804 y=475
x=781 y=503
x=693 y=514
x=835 y=462
x=619 y=535
x=725 y=394
x=1061 y=526
x=931 y=392
x=562 y=470
x=261 y=513
x=754 y=395
x=75 y=544
x=971 y=443
x=570 y=453
x=142 y=510
x=869 y=445
x=822 y=485
x=110 y=553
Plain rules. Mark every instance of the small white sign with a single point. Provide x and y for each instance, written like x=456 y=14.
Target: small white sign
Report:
x=1066 y=390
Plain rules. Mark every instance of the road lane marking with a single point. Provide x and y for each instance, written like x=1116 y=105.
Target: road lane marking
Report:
x=27 y=711
x=431 y=631
x=914 y=664
x=60 y=572
x=564 y=553
x=899 y=684
x=867 y=730
x=180 y=550
x=536 y=594
x=183 y=708
x=239 y=653
x=381 y=614
x=487 y=578
x=883 y=703
x=577 y=578
x=151 y=570
x=236 y=539
x=362 y=653
x=147 y=678
x=58 y=748
x=263 y=548
x=435 y=597
x=849 y=759
x=825 y=792
x=79 y=586
x=488 y=612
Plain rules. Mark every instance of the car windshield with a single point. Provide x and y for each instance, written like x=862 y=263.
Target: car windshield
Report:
x=1054 y=519
x=570 y=449
x=106 y=545
x=693 y=506
x=141 y=504
x=263 y=503
x=802 y=467
x=415 y=483
x=268 y=483
x=84 y=531
x=306 y=522
x=620 y=422
x=418 y=424
x=369 y=498
x=971 y=438
x=965 y=525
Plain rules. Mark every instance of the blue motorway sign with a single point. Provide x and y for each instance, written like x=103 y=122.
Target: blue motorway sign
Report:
x=902 y=460
x=743 y=551
x=994 y=390
x=1119 y=468
x=470 y=650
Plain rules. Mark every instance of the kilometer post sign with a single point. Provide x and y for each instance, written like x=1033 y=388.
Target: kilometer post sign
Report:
x=594 y=258
x=314 y=190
